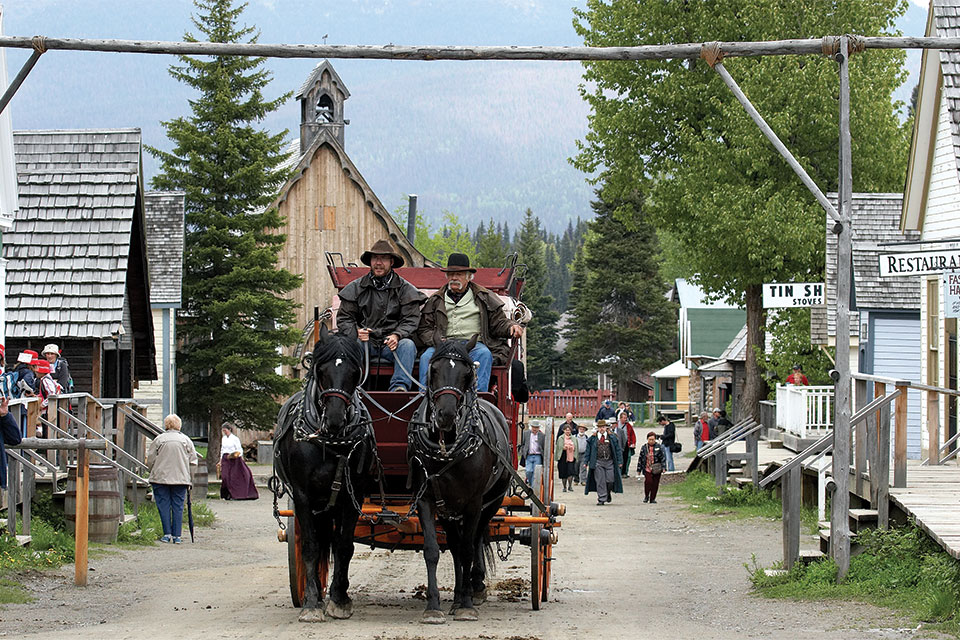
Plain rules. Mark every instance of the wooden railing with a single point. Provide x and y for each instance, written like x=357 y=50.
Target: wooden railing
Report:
x=748 y=430
x=579 y=402
x=806 y=412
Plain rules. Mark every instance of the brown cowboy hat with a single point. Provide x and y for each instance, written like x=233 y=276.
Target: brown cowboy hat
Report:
x=383 y=248
x=458 y=262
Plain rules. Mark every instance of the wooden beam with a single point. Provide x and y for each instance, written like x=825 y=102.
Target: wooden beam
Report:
x=860 y=439
x=933 y=426
x=806 y=46
x=82 y=515
x=883 y=468
x=790 y=488
x=900 y=439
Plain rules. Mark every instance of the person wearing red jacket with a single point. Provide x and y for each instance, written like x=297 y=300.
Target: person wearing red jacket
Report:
x=628 y=437
x=797 y=376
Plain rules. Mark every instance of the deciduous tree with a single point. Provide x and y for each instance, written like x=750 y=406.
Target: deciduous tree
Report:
x=674 y=130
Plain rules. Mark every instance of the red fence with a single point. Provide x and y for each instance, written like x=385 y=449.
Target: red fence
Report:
x=579 y=402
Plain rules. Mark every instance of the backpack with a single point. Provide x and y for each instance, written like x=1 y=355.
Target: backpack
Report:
x=8 y=384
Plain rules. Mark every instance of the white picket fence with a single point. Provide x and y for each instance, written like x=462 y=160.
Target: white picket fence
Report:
x=804 y=411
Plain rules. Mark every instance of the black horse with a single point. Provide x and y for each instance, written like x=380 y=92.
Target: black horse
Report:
x=324 y=451
x=458 y=455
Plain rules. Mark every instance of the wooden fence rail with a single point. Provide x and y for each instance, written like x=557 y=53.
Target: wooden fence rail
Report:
x=579 y=402
x=83 y=447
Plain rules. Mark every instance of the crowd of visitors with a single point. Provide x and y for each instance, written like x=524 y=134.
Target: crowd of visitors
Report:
x=35 y=374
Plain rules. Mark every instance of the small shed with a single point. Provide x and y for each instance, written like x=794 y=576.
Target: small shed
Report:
x=671 y=388
x=76 y=257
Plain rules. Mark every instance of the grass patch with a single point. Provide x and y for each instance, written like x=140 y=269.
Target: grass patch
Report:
x=899 y=568
x=699 y=490
x=13 y=593
x=146 y=529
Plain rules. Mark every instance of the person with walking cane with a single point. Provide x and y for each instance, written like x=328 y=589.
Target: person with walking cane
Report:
x=169 y=457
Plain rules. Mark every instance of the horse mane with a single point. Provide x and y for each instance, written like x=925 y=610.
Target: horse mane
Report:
x=338 y=345
x=457 y=348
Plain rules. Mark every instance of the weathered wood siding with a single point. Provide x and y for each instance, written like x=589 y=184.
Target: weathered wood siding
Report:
x=942 y=214
x=327 y=209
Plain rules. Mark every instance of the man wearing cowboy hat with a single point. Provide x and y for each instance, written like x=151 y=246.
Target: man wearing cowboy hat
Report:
x=383 y=309
x=460 y=309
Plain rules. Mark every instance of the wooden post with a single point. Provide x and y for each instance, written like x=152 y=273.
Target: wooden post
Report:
x=790 y=500
x=83 y=512
x=28 y=491
x=13 y=483
x=840 y=512
x=883 y=468
x=720 y=466
x=933 y=426
x=753 y=451
x=860 y=444
x=872 y=422
x=94 y=417
x=900 y=439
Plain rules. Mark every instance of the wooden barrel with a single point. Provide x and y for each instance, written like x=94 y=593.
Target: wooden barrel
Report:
x=201 y=480
x=105 y=506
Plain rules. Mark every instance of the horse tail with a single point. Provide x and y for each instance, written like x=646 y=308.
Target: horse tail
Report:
x=487 y=557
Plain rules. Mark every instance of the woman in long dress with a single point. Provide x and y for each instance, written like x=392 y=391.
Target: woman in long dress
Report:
x=236 y=481
x=566 y=451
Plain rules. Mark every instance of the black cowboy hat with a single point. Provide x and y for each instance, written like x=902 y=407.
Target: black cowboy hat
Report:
x=382 y=247
x=458 y=262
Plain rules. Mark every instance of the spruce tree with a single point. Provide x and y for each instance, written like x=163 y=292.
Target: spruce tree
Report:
x=542 y=330
x=235 y=316
x=490 y=252
x=621 y=322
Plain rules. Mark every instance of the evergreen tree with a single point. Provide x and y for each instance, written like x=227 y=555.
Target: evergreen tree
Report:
x=542 y=330
x=235 y=315
x=490 y=252
x=621 y=322
x=508 y=247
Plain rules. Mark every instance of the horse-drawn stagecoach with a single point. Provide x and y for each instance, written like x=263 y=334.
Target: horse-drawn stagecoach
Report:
x=391 y=441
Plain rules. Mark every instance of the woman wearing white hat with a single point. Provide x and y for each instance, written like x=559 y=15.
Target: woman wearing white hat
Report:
x=61 y=371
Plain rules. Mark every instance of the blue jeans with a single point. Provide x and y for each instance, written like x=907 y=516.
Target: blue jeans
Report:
x=479 y=353
x=669 y=452
x=407 y=352
x=533 y=459
x=170 y=499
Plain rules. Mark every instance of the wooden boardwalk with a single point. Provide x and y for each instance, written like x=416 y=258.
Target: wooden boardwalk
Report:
x=932 y=497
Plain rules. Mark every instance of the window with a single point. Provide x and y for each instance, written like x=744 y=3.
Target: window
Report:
x=324 y=109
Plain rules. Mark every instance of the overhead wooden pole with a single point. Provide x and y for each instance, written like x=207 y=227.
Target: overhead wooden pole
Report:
x=839 y=517
x=805 y=46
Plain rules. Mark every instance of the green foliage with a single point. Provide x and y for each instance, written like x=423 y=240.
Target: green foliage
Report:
x=13 y=593
x=147 y=529
x=542 y=357
x=490 y=248
x=699 y=490
x=235 y=314
x=621 y=321
x=672 y=130
x=790 y=334
x=436 y=245
x=49 y=548
x=900 y=568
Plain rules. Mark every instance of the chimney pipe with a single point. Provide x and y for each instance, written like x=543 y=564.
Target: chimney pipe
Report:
x=412 y=218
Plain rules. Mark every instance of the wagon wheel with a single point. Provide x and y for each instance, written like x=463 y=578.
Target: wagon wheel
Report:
x=536 y=550
x=546 y=550
x=298 y=571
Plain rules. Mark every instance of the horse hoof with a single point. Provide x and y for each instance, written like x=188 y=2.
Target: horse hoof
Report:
x=340 y=612
x=311 y=615
x=467 y=615
x=433 y=616
x=479 y=597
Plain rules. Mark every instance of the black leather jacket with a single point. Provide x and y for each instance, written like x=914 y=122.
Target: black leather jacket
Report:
x=658 y=456
x=395 y=309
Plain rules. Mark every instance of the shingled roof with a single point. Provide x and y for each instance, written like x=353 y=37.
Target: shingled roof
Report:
x=69 y=245
x=876 y=222
x=163 y=211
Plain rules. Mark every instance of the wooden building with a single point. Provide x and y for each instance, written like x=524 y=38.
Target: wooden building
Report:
x=76 y=257
x=164 y=214
x=327 y=204
x=931 y=204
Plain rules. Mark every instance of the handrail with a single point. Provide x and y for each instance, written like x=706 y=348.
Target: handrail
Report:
x=946 y=444
x=142 y=421
x=827 y=449
x=827 y=440
x=23 y=460
x=60 y=444
x=731 y=434
x=905 y=383
x=716 y=449
x=77 y=395
x=111 y=445
x=99 y=455
x=39 y=458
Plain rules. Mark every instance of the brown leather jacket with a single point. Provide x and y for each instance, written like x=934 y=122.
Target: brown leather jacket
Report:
x=396 y=309
x=494 y=324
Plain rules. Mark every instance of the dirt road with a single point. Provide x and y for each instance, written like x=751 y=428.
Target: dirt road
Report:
x=624 y=570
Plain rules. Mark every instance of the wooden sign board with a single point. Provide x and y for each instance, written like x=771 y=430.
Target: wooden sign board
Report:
x=780 y=295
x=919 y=263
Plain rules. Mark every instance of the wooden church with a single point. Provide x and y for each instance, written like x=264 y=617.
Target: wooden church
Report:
x=327 y=204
